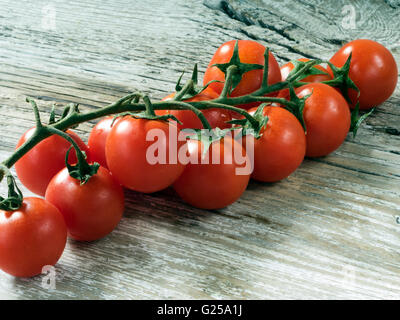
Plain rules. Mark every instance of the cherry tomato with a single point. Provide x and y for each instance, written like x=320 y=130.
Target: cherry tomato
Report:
x=91 y=210
x=130 y=157
x=213 y=185
x=31 y=237
x=97 y=140
x=373 y=69
x=327 y=118
x=249 y=52
x=216 y=117
x=288 y=67
x=281 y=148
x=36 y=168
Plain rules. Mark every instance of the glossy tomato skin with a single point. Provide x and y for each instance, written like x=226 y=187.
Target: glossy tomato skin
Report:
x=327 y=118
x=281 y=148
x=288 y=67
x=126 y=149
x=97 y=140
x=31 y=237
x=36 y=168
x=373 y=69
x=249 y=52
x=212 y=185
x=92 y=210
x=216 y=117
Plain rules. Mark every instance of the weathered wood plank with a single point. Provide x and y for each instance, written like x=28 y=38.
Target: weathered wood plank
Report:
x=328 y=231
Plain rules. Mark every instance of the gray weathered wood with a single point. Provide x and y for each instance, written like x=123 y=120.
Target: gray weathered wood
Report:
x=328 y=231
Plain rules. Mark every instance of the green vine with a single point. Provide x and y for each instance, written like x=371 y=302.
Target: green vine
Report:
x=139 y=106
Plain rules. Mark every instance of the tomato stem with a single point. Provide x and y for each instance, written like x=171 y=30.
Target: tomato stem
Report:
x=36 y=112
x=149 y=106
x=186 y=88
x=179 y=105
x=228 y=81
x=264 y=83
x=131 y=103
x=15 y=198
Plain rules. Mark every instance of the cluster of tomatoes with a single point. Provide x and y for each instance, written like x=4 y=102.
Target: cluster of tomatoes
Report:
x=35 y=235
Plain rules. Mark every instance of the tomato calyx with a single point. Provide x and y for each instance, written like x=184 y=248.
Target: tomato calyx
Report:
x=82 y=171
x=14 y=198
x=206 y=136
x=241 y=68
x=303 y=69
x=342 y=79
x=248 y=127
x=357 y=120
x=191 y=88
x=297 y=108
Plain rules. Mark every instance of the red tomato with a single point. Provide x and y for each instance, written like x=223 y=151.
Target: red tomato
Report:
x=128 y=154
x=216 y=117
x=281 y=148
x=91 y=210
x=373 y=69
x=249 y=52
x=327 y=118
x=31 y=237
x=213 y=185
x=36 y=168
x=97 y=140
x=288 y=67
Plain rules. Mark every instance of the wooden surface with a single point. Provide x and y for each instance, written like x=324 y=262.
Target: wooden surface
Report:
x=328 y=231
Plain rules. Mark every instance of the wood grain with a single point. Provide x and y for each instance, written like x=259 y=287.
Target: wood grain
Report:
x=328 y=231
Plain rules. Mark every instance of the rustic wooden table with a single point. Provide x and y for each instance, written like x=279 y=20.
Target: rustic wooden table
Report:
x=328 y=231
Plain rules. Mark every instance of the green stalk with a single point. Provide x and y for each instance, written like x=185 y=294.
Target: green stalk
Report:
x=130 y=103
x=228 y=81
x=125 y=104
